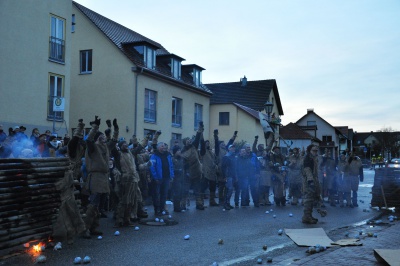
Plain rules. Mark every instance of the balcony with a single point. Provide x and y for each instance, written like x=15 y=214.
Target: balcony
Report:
x=57 y=49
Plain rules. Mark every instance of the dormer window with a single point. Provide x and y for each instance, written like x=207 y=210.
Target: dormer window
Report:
x=194 y=71
x=197 y=77
x=176 y=68
x=149 y=55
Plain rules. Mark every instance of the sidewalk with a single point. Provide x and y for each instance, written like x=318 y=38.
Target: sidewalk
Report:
x=388 y=237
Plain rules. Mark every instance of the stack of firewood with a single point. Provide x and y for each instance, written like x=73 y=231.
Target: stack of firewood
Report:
x=29 y=201
x=386 y=189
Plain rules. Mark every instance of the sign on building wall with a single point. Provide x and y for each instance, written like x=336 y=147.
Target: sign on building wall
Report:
x=58 y=104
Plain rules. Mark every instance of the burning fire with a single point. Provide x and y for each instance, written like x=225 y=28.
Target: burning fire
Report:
x=36 y=249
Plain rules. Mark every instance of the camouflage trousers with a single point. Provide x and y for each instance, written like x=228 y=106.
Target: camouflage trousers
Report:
x=310 y=198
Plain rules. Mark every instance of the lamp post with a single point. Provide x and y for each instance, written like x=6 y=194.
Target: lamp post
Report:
x=268 y=109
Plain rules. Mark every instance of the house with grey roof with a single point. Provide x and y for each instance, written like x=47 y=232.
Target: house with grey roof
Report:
x=236 y=106
x=293 y=136
x=117 y=72
x=331 y=138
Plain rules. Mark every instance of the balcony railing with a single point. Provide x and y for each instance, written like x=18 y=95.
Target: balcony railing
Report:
x=57 y=49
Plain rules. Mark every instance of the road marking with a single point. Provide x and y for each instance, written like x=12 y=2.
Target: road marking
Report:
x=365 y=185
x=253 y=255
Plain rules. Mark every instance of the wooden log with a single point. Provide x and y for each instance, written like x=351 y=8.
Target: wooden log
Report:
x=32 y=160
x=22 y=240
x=29 y=210
x=30 y=198
x=14 y=172
x=27 y=165
x=59 y=174
x=31 y=215
x=27 y=182
x=26 y=188
x=31 y=222
x=27 y=204
x=28 y=193
x=32 y=231
x=13 y=230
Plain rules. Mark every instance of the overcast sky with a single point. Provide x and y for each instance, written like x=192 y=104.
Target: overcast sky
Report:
x=341 y=58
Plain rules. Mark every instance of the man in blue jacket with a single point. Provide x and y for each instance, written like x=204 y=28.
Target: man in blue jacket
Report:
x=162 y=172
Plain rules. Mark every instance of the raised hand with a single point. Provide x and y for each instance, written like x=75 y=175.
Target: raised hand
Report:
x=115 y=124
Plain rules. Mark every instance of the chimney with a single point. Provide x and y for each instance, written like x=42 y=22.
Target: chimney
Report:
x=244 y=81
x=310 y=110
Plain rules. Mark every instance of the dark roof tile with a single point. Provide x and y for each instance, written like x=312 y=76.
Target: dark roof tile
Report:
x=293 y=131
x=125 y=38
x=253 y=95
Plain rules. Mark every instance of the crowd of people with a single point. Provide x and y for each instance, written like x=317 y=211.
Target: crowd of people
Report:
x=122 y=175
x=16 y=144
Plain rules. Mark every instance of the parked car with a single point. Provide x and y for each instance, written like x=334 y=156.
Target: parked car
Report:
x=394 y=163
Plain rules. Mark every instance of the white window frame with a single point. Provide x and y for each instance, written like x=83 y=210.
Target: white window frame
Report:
x=57 y=39
x=175 y=68
x=56 y=89
x=149 y=57
x=198 y=115
x=176 y=112
x=150 y=106
x=197 y=77
x=87 y=69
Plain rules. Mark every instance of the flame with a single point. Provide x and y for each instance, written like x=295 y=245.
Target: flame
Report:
x=37 y=249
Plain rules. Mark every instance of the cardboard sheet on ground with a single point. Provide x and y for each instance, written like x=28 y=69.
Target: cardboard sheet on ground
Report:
x=309 y=237
x=390 y=256
x=348 y=242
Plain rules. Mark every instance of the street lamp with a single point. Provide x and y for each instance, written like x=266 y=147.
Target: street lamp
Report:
x=268 y=109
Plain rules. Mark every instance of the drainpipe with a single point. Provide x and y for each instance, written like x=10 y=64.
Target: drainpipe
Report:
x=138 y=72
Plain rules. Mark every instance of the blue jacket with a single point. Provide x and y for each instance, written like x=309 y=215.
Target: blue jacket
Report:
x=156 y=167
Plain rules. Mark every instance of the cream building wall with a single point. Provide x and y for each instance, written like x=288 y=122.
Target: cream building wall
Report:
x=25 y=65
x=247 y=126
x=109 y=91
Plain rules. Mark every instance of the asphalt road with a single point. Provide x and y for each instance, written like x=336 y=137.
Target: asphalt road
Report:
x=244 y=232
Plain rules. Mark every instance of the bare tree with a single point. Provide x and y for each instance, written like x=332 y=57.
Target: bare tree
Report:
x=388 y=141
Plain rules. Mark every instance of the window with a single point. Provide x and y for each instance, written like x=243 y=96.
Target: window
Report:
x=198 y=115
x=224 y=118
x=150 y=58
x=56 y=89
x=151 y=132
x=150 y=104
x=86 y=61
x=327 y=138
x=176 y=112
x=311 y=123
x=176 y=68
x=176 y=139
x=73 y=23
x=57 y=42
x=149 y=55
x=197 y=77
